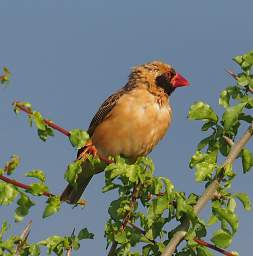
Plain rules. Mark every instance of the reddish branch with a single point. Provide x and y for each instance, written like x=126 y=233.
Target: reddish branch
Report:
x=47 y=121
x=27 y=187
x=21 y=185
x=214 y=247
x=54 y=126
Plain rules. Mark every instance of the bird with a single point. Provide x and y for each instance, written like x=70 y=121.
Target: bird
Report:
x=132 y=120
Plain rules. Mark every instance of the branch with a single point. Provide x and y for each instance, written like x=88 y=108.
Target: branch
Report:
x=232 y=73
x=127 y=217
x=208 y=194
x=235 y=76
x=214 y=247
x=54 y=126
x=21 y=185
x=47 y=121
x=27 y=187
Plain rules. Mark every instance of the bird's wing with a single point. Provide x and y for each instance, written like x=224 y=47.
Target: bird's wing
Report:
x=102 y=113
x=104 y=110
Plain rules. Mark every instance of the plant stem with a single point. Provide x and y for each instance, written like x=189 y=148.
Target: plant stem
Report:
x=56 y=127
x=21 y=185
x=47 y=121
x=214 y=247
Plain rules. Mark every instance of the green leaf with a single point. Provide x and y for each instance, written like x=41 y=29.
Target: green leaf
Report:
x=243 y=80
x=198 y=157
x=43 y=134
x=38 y=189
x=212 y=220
x=38 y=119
x=53 y=206
x=132 y=173
x=247 y=160
x=206 y=141
x=245 y=200
x=224 y=98
x=231 y=204
x=78 y=138
x=25 y=203
x=202 y=111
x=85 y=234
x=207 y=126
x=184 y=208
x=34 y=250
x=7 y=193
x=231 y=115
x=248 y=57
x=228 y=216
x=11 y=165
x=246 y=118
x=56 y=244
x=118 y=208
x=3 y=229
x=121 y=237
x=5 y=77
x=238 y=59
x=73 y=170
x=38 y=174
x=204 y=171
x=221 y=238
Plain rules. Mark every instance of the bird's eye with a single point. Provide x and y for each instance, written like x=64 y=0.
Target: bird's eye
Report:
x=171 y=74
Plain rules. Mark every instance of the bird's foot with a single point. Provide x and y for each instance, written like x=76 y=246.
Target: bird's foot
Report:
x=88 y=149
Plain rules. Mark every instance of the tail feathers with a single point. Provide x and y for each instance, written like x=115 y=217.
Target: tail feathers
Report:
x=72 y=194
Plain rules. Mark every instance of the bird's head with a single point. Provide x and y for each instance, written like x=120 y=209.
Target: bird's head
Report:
x=159 y=74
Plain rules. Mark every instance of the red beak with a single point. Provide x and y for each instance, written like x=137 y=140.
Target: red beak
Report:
x=179 y=81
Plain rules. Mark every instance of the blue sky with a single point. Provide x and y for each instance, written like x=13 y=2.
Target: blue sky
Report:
x=68 y=56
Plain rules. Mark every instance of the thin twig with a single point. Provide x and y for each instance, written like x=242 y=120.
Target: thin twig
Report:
x=21 y=185
x=232 y=73
x=55 y=126
x=181 y=230
x=27 y=187
x=214 y=247
x=235 y=76
x=47 y=121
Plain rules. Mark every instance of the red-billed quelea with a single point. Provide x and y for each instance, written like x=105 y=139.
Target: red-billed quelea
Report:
x=133 y=120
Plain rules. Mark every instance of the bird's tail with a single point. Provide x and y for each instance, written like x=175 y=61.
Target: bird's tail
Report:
x=72 y=194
